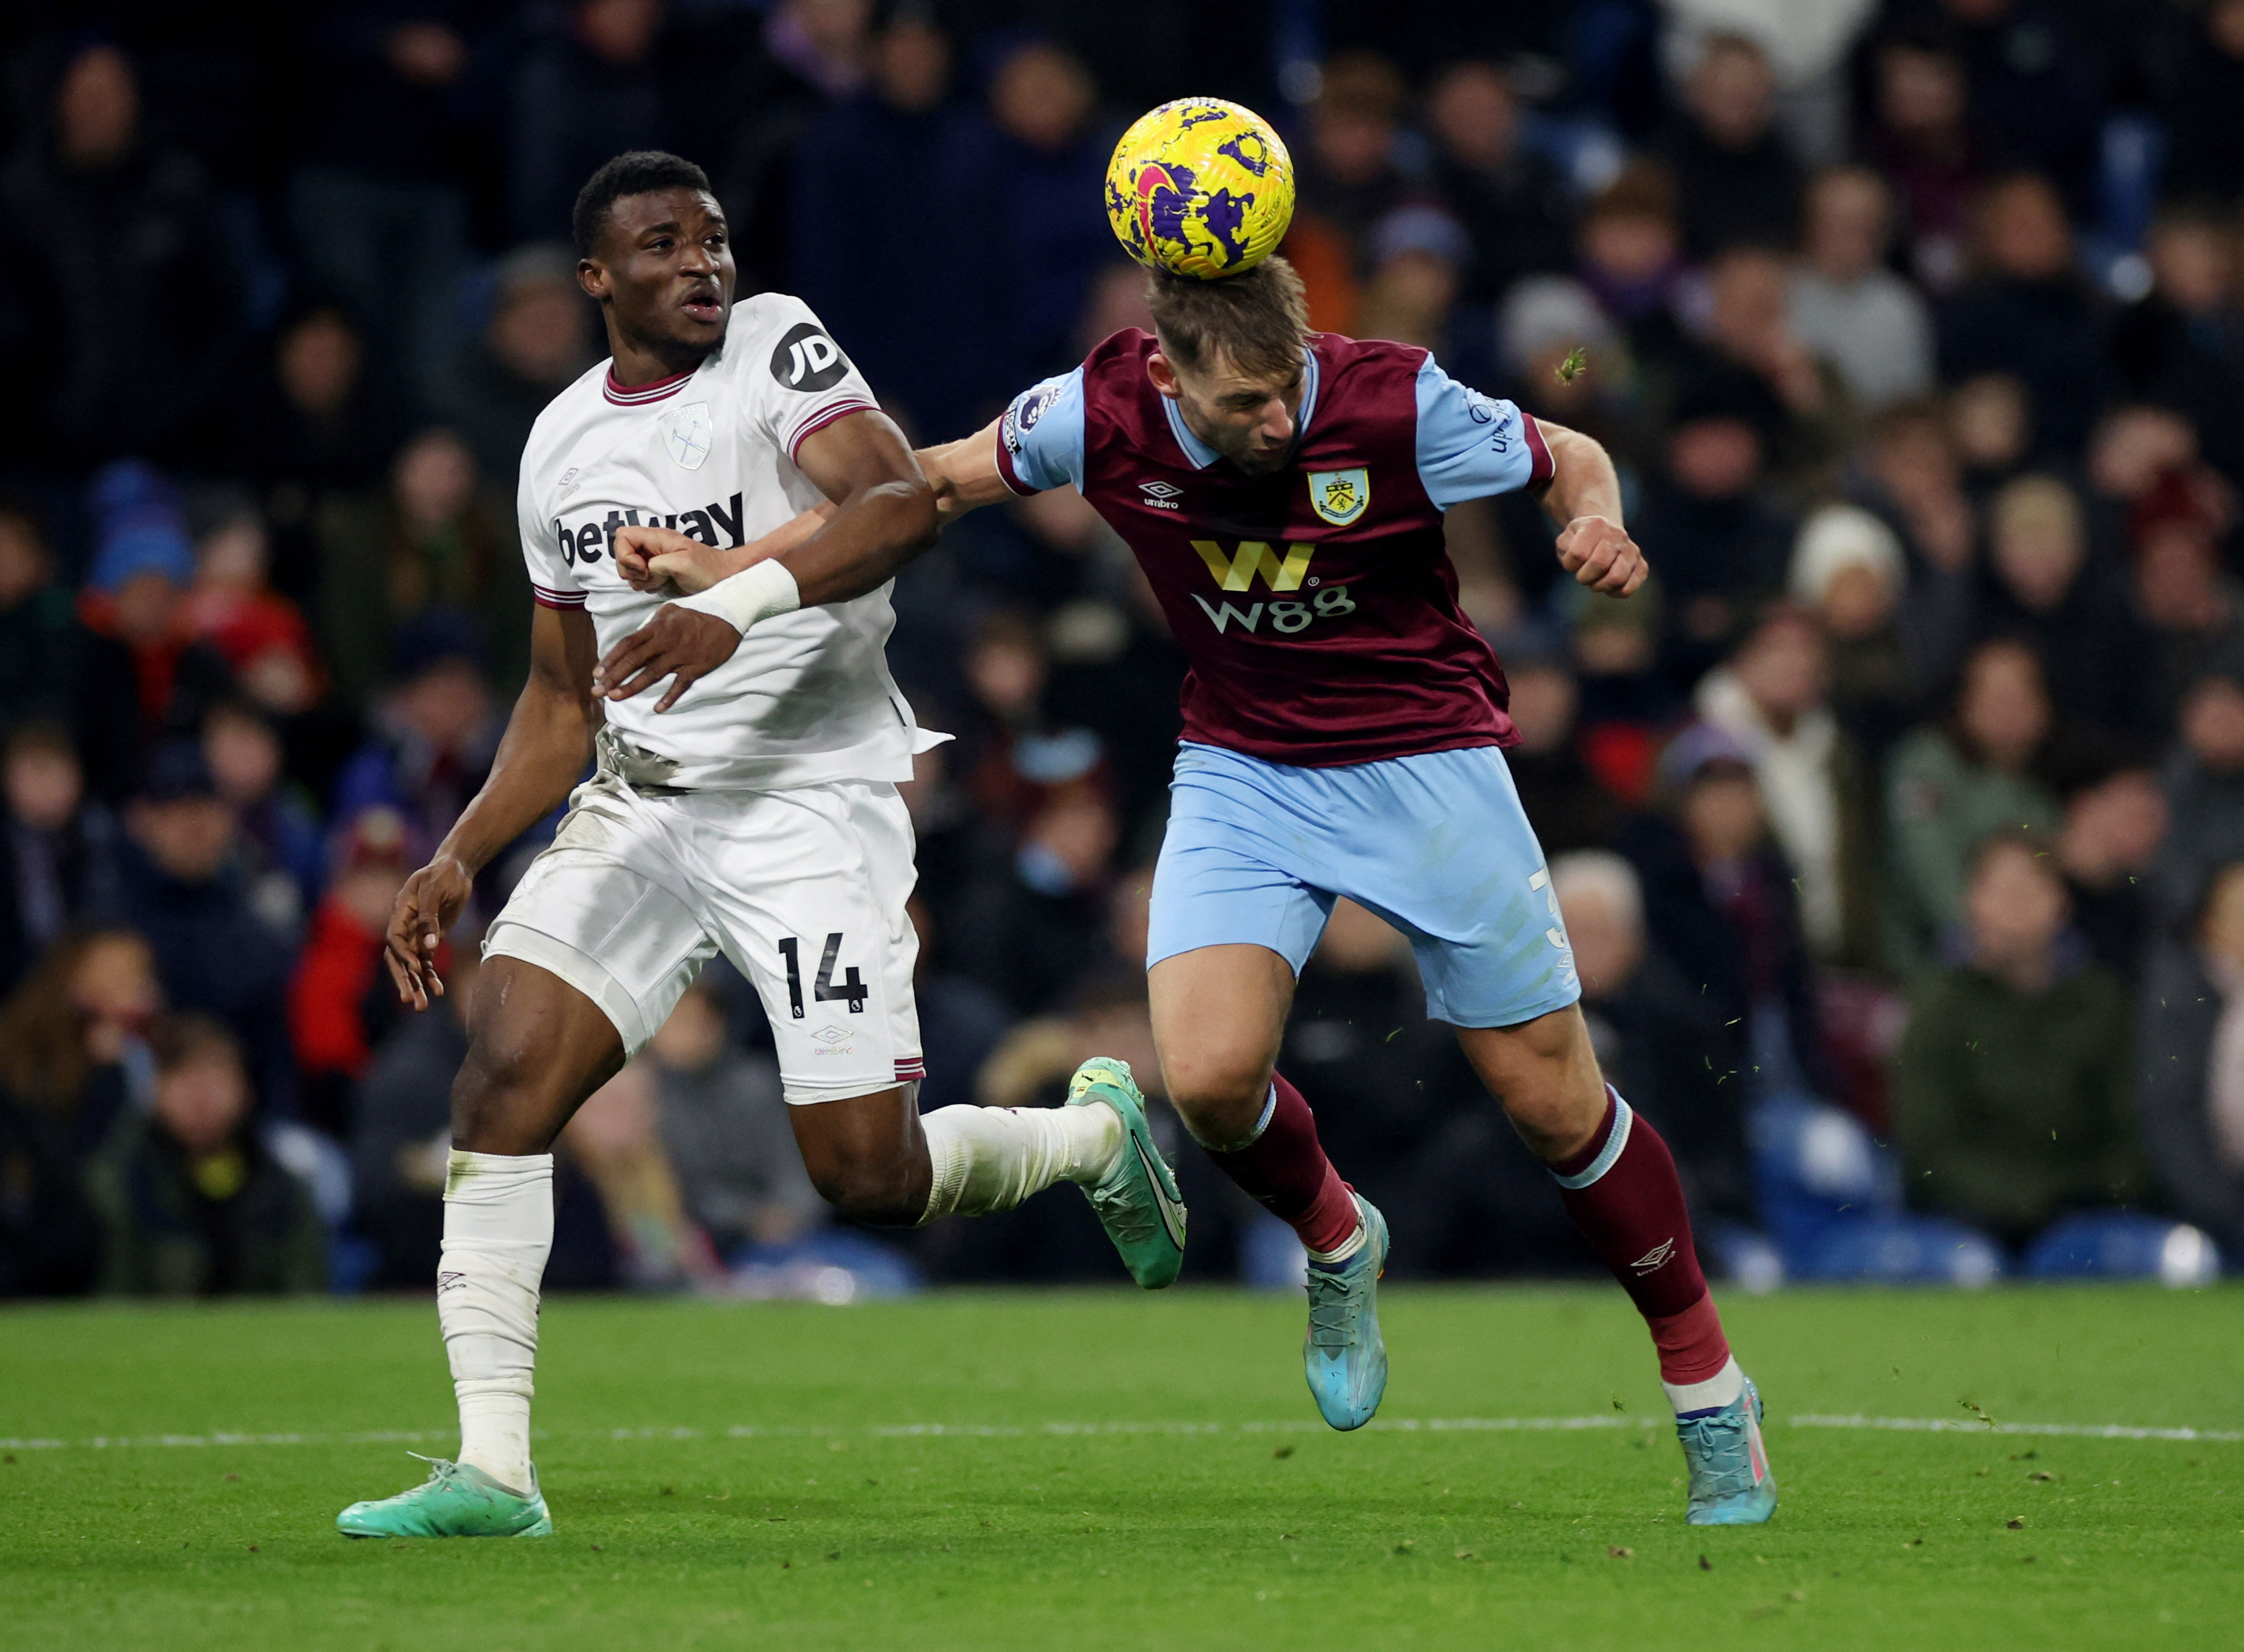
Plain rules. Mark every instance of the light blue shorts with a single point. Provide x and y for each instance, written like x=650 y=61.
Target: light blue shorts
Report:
x=1437 y=845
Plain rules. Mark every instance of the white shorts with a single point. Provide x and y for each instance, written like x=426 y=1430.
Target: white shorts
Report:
x=802 y=889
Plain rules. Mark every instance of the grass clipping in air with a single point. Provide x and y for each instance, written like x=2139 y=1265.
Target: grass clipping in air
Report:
x=1114 y=1470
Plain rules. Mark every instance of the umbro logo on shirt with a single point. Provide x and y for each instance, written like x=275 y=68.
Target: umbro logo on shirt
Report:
x=1161 y=495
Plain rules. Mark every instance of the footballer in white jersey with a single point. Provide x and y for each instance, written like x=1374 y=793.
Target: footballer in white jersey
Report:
x=750 y=808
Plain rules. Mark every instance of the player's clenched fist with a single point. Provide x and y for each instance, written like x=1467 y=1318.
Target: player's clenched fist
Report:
x=1600 y=555
x=432 y=898
x=666 y=563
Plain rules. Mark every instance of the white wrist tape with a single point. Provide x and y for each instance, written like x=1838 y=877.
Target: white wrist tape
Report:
x=756 y=593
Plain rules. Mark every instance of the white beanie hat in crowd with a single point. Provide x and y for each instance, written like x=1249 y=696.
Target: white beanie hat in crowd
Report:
x=1840 y=537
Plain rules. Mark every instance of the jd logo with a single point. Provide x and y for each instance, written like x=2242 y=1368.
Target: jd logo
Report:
x=1237 y=572
x=1340 y=496
x=806 y=359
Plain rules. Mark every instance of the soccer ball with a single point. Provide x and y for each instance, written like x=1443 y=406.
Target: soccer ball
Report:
x=1199 y=188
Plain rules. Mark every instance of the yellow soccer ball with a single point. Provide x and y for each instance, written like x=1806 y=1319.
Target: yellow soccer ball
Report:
x=1199 y=188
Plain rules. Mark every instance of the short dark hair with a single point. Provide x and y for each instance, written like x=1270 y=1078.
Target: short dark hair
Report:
x=635 y=171
x=180 y=1038
x=1258 y=320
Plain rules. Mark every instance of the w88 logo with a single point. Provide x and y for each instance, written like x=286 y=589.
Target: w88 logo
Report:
x=1287 y=616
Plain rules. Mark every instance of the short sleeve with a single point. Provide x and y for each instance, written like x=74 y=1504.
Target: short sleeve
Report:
x=801 y=381
x=552 y=572
x=1471 y=445
x=1040 y=439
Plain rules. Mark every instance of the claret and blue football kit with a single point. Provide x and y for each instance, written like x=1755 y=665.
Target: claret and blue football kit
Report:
x=1343 y=722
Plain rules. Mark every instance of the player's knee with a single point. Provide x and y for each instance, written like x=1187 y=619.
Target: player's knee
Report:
x=1218 y=1094
x=499 y=1099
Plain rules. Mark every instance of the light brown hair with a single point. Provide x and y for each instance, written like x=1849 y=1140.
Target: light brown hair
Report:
x=1257 y=320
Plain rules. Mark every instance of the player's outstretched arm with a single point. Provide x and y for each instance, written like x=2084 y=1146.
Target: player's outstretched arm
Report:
x=547 y=742
x=884 y=515
x=1584 y=499
x=964 y=473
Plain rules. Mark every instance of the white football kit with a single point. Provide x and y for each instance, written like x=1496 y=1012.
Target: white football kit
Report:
x=758 y=815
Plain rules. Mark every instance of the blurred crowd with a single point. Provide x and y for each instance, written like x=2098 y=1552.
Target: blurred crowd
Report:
x=1898 y=825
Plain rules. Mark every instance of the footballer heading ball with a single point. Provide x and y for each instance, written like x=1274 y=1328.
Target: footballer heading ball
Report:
x=1199 y=188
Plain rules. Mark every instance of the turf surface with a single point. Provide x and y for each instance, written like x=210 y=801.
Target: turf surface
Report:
x=769 y=1475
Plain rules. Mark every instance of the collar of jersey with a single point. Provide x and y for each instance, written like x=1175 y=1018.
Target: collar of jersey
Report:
x=640 y=394
x=1202 y=456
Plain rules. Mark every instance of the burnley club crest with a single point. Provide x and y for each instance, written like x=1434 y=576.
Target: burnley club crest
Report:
x=1340 y=496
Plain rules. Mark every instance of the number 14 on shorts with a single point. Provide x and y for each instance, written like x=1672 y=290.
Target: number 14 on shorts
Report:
x=825 y=989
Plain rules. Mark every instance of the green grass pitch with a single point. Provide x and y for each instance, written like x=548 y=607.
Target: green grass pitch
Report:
x=1117 y=1471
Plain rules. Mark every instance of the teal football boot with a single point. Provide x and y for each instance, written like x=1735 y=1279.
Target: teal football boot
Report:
x=456 y=1500
x=1138 y=1201
x=1730 y=1482
x=1345 y=1358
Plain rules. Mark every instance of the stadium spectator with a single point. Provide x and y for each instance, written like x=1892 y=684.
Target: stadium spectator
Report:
x=232 y=608
x=1024 y=166
x=434 y=735
x=812 y=56
x=1738 y=183
x=1849 y=570
x=1567 y=804
x=1918 y=140
x=535 y=342
x=895 y=142
x=1417 y=253
x=1347 y=177
x=2207 y=160
x=185 y=891
x=59 y=851
x=1950 y=785
x=2012 y=1087
x=586 y=89
x=723 y=1124
x=1907 y=475
x=436 y=547
x=1631 y=256
x=2108 y=846
x=1846 y=306
x=1514 y=204
x=1747 y=354
x=340 y=967
x=72 y=1058
x=135 y=361
x=1991 y=423
x=615 y=1140
x=2034 y=98
x=2028 y=313
x=141 y=679
x=1030 y=915
x=280 y=839
x=1721 y=544
x=375 y=199
x=2190 y=1067
x=38 y=631
x=1650 y=1028
x=2072 y=611
x=2181 y=344
x=2192 y=606
x=2205 y=789
x=191 y=1204
x=1543 y=321
x=1772 y=697
x=312 y=424
x=1718 y=902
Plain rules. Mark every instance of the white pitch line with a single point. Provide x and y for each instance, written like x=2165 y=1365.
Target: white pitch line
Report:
x=2072 y=1431
x=1002 y=1431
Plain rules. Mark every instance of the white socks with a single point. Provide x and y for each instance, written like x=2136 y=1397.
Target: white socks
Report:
x=498 y=1227
x=990 y=1159
x=1716 y=1392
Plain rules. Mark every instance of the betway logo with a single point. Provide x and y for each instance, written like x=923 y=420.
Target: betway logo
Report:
x=1237 y=572
x=586 y=542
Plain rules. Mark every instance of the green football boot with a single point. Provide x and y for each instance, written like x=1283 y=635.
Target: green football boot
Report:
x=1138 y=1201
x=1344 y=1356
x=456 y=1500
